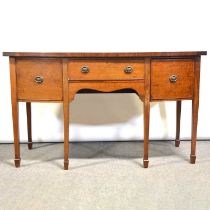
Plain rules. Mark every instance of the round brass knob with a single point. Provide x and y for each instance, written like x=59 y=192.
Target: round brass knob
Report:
x=173 y=78
x=39 y=79
x=128 y=70
x=85 y=69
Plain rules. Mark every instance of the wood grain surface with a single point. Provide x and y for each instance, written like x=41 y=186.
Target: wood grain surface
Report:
x=51 y=71
x=103 y=54
x=162 y=70
x=105 y=70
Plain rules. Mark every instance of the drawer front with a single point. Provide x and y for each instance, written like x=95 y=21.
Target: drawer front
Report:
x=105 y=70
x=172 y=78
x=39 y=79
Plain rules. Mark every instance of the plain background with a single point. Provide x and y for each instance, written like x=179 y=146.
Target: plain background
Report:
x=104 y=26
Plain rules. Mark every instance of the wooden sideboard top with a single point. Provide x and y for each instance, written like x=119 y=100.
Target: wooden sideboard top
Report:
x=104 y=54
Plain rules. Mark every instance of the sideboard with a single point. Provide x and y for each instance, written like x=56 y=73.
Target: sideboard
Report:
x=57 y=77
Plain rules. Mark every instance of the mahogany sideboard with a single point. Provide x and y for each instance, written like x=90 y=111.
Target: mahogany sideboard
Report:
x=57 y=77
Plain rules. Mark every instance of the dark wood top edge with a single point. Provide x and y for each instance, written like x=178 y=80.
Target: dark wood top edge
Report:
x=102 y=54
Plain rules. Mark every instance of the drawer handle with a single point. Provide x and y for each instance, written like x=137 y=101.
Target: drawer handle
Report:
x=39 y=79
x=128 y=70
x=85 y=69
x=173 y=78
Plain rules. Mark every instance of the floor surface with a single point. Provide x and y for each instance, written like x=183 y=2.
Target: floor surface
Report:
x=106 y=176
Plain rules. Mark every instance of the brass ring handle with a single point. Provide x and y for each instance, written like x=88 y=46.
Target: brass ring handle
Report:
x=128 y=70
x=173 y=78
x=85 y=69
x=39 y=79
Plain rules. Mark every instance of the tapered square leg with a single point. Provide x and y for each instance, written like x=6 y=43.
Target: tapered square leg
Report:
x=16 y=134
x=15 y=112
x=195 y=106
x=194 y=131
x=66 y=114
x=66 y=135
x=178 y=119
x=146 y=132
x=28 y=112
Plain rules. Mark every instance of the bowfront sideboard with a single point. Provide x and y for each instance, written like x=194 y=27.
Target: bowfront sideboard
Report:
x=57 y=77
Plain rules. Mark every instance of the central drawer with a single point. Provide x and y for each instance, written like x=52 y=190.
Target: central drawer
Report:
x=105 y=69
